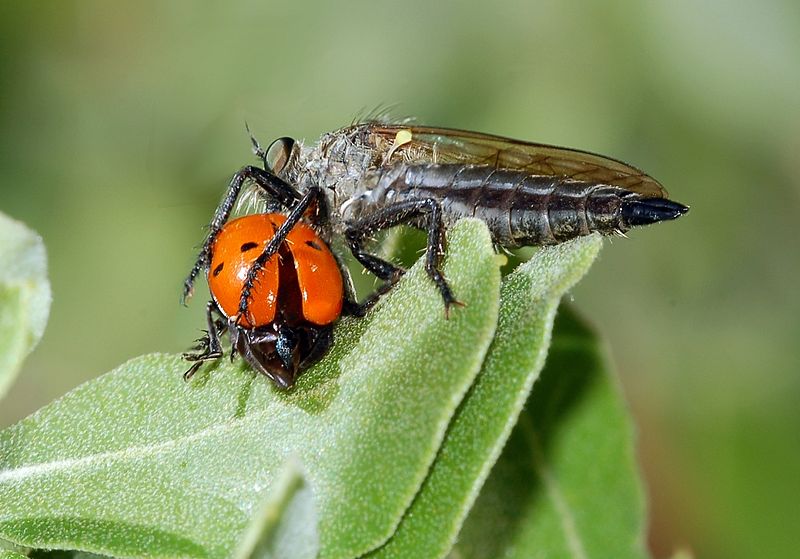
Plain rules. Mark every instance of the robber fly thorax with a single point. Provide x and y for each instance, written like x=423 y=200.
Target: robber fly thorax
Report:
x=346 y=165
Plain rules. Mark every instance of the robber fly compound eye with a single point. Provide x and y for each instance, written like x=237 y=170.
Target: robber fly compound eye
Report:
x=278 y=154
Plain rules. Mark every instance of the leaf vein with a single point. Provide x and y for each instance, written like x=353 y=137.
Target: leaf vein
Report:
x=43 y=468
x=574 y=542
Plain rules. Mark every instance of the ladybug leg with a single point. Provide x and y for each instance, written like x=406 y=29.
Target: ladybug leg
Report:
x=406 y=212
x=208 y=347
x=275 y=187
x=274 y=244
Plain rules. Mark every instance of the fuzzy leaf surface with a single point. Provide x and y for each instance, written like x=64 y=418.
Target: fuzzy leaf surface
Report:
x=137 y=462
x=566 y=484
x=285 y=524
x=483 y=422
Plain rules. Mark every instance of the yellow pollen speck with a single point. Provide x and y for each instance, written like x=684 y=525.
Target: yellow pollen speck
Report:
x=400 y=139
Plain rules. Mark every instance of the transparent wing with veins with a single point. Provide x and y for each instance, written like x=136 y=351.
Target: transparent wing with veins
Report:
x=394 y=143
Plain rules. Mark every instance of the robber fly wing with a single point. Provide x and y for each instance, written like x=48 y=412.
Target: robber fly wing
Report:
x=408 y=143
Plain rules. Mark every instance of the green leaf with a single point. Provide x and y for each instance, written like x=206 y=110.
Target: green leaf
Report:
x=6 y=554
x=485 y=418
x=566 y=484
x=24 y=296
x=63 y=554
x=137 y=462
x=285 y=524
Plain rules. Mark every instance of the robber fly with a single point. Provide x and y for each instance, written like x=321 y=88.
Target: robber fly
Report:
x=372 y=176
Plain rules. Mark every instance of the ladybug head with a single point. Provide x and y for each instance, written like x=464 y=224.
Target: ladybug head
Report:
x=281 y=352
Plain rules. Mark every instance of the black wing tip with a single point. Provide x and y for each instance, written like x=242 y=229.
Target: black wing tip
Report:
x=644 y=211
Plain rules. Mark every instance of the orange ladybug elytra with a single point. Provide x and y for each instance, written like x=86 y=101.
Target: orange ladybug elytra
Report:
x=294 y=299
x=303 y=283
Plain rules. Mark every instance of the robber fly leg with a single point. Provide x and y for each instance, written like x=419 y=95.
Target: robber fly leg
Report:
x=309 y=198
x=274 y=187
x=406 y=212
x=350 y=305
x=208 y=347
x=356 y=235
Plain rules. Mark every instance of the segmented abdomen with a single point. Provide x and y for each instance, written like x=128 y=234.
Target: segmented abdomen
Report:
x=520 y=209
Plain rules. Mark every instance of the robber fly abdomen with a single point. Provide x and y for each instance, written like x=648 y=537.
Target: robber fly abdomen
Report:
x=519 y=208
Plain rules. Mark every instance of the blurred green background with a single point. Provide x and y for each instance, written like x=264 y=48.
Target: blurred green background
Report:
x=121 y=123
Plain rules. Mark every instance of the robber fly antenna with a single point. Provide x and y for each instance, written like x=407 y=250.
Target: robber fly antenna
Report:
x=257 y=149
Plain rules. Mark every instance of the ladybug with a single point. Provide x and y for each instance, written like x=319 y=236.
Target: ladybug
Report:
x=276 y=286
x=296 y=297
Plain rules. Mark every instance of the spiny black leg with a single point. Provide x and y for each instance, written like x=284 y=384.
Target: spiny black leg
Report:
x=397 y=214
x=351 y=307
x=284 y=193
x=273 y=245
x=357 y=233
x=208 y=347
x=382 y=269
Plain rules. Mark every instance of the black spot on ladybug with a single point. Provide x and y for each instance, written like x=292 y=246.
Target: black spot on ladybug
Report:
x=274 y=227
x=249 y=246
x=313 y=244
x=218 y=269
